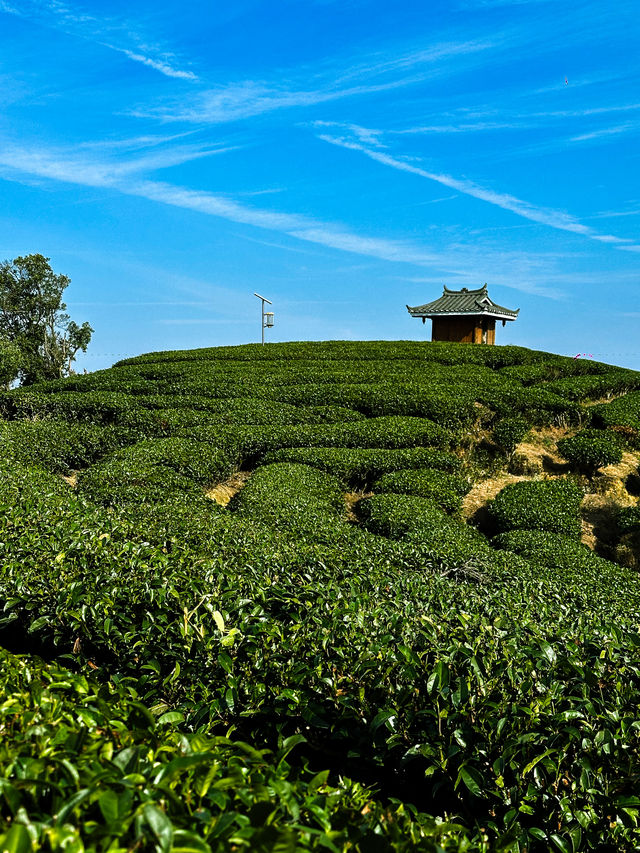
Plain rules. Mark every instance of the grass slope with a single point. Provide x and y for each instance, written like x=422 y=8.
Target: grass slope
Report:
x=308 y=666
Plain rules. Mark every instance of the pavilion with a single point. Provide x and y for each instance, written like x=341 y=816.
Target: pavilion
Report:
x=465 y=316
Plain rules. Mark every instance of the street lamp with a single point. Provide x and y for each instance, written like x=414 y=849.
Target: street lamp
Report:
x=267 y=316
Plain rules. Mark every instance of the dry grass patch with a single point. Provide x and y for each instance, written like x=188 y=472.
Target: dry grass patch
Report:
x=223 y=492
x=483 y=492
x=619 y=472
x=540 y=452
x=609 y=495
x=350 y=501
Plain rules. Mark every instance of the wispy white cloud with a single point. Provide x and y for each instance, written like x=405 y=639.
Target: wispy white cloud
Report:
x=606 y=132
x=463 y=127
x=98 y=171
x=490 y=119
x=132 y=143
x=53 y=165
x=116 y=34
x=366 y=135
x=456 y=259
x=545 y=216
x=613 y=214
x=588 y=111
x=438 y=200
x=338 y=79
x=157 y=64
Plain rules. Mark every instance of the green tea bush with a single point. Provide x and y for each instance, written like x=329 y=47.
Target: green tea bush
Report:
x=595 y=386
x=447 y=490
x=554 y=550
x=541 y=406
x=449 y=408
x=387 y=432
x=551 y=505
x=152 y=468
x=531 y=374
x=58 y=446
x=621 y=415
x=509 y=432
x=590 y=449
x=422 y=521
x=627 y=520
x=94 y=406
x=359 y=467
x=296 y=499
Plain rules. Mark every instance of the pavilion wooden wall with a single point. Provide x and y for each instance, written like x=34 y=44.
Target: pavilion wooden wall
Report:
x=464 y=330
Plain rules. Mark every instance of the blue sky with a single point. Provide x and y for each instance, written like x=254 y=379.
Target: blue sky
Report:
x=341 y=158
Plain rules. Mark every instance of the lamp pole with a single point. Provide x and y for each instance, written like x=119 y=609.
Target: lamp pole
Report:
x=264 y=299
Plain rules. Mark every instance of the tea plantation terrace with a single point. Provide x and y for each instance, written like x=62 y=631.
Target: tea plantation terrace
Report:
x=413 y=626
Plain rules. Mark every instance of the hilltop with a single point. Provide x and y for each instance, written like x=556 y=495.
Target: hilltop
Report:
x=337 y=595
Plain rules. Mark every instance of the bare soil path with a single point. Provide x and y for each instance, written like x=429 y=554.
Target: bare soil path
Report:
x=223 y=492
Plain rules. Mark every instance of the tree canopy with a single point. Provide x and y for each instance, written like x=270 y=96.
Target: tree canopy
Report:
x=38 y=339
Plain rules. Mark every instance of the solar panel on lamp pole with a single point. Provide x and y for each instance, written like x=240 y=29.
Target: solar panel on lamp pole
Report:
x=262 y=323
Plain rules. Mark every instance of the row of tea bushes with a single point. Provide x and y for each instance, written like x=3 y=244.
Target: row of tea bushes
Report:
x=352 y=351
x=448 y=407
x=150 y=470
x=359 y=467
x=447 y=490
x=591 y=582
x=296 y=501
x=551 y=505
x=420 y=520
x=555 y=550
x=94 y=406
x=594 y=387
x=59 y=446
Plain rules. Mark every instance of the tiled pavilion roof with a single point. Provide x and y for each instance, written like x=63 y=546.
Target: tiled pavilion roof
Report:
x=463 y=302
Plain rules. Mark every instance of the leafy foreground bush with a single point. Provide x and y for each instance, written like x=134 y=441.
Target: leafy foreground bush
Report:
x=552 y=505
x=590 y=449
x=87 y=766
x=447 y=490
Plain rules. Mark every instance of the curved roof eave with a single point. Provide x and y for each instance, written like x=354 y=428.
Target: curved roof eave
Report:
x=417 y=312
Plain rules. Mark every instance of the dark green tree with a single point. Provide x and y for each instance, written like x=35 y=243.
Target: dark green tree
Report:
x=10 y=361
x=34 y=321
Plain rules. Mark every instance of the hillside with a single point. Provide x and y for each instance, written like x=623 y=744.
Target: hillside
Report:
x=364 y=596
